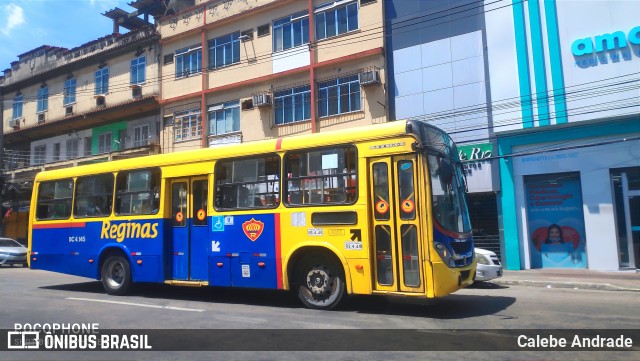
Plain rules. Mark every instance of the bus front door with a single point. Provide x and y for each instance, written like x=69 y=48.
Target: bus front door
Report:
x=397 y=249
x=189 y=232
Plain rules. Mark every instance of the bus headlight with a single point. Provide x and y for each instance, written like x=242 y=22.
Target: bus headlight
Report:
x=444 y=254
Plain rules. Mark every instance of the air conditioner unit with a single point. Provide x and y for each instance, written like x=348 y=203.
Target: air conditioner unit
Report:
x=41 y=118
x=14 y=123
x=136 y=91
x=262 y=100
x=369 y=77
x=68 y=110
x=100 y=101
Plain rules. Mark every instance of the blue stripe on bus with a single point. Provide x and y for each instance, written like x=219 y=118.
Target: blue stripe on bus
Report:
x=229 y=258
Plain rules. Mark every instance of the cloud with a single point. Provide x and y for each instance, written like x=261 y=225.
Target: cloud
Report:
x=15 y=18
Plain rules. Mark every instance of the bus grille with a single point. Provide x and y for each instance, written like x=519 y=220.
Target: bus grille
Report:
x=461 y=247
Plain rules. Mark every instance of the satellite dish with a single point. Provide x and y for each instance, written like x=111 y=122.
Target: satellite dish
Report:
x=178 y=5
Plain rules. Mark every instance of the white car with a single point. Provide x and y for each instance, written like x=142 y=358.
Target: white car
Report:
x=12 y=252
x=489 y=266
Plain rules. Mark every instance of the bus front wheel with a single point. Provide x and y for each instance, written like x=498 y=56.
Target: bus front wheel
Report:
x=320 y=285
x=116 y=275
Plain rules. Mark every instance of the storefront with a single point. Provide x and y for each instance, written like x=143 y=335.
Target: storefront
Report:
x=569 y=144
x=550 y=90
x=574 y=207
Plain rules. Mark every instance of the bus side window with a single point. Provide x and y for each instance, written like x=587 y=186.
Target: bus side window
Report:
x=54 y=199
x=136 y=192
x=93 y=195
x=247 y=182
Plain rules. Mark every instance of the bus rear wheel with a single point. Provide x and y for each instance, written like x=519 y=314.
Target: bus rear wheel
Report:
x=320 y=285
x=116 y=275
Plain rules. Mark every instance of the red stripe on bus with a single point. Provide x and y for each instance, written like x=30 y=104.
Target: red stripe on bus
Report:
x=59 y=225
x=278 y=251
x=279 y=144
x=451 y=233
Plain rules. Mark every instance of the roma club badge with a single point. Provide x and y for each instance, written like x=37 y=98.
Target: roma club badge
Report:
x=253 y=229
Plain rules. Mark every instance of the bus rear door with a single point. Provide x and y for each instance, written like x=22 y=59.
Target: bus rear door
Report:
x=396 y=236
x=189 y=232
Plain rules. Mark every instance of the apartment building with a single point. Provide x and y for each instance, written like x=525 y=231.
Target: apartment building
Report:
x=66 y=107
x=206 y=73
x=239 y=71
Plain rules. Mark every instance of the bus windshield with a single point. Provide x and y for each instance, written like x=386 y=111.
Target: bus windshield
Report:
x=447 y=192
x=447 y=179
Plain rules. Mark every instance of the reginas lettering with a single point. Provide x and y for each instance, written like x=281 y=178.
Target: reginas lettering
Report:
x=128 y=230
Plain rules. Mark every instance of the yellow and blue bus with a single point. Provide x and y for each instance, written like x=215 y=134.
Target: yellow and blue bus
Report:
x=373 y=210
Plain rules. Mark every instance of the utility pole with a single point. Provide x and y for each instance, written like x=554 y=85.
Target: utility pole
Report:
x=1 y=159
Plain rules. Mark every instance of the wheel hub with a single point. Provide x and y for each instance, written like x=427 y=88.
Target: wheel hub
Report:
x=318 y=282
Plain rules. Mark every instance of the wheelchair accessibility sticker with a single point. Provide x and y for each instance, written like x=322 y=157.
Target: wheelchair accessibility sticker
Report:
x=217 y=224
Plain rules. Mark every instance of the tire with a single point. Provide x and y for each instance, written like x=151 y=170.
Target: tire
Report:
x=116 y=275
x=320 y=284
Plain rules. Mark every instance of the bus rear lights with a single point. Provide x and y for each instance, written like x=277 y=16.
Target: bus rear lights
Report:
x=139 y=261
x=260 y=264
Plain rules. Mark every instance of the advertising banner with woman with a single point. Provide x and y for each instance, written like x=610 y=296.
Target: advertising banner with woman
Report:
x=556 y=221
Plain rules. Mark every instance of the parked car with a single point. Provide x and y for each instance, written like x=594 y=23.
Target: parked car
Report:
x=489 y=266
x=12 y=252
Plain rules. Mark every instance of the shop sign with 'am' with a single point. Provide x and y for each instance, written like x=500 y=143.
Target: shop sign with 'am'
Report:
x=613 y=41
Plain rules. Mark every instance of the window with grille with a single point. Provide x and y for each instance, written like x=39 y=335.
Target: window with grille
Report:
x=72 y=148
x=187 y=125
x=39 y=154
x=56 y=152
x=87 y=146
x=141 y=135
x=104 y=143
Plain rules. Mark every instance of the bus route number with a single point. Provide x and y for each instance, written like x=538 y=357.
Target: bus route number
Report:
x=353 y=245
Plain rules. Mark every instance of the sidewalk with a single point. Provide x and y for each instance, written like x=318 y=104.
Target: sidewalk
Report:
x=569 y=278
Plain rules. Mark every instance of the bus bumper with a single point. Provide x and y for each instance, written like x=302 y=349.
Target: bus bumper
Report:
x=447 y=280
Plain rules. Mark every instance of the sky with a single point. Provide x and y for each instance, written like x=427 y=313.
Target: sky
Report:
x=28 y=24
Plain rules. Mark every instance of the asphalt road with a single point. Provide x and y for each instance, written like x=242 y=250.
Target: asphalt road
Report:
x=29 y=296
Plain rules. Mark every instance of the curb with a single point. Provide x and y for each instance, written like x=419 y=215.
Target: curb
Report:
x=561 y=284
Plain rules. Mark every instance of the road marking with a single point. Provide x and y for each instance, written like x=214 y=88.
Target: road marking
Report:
x=135 y=304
